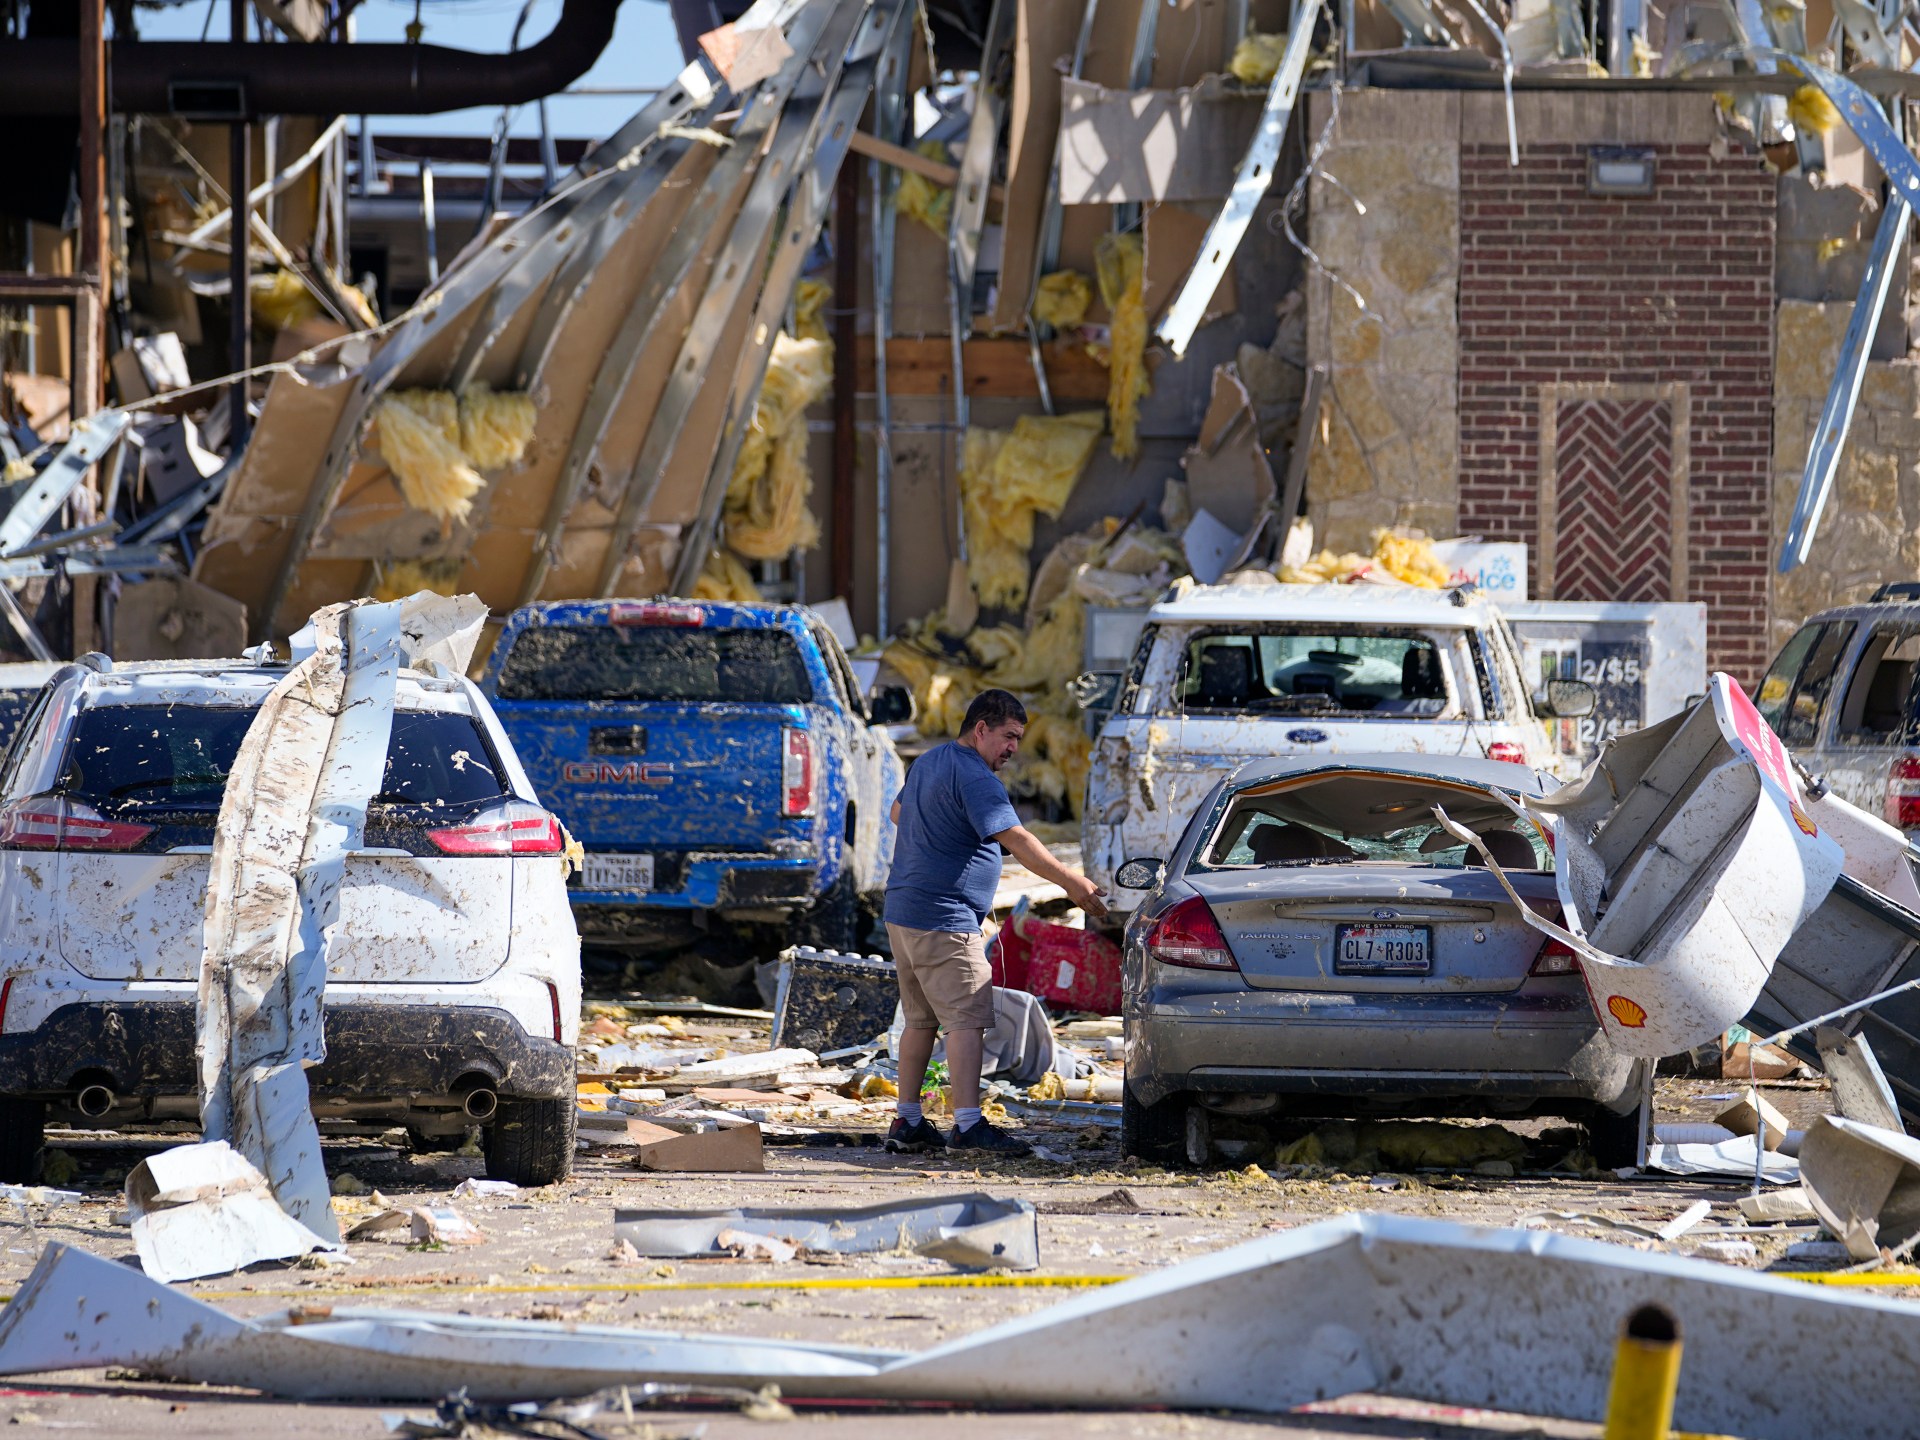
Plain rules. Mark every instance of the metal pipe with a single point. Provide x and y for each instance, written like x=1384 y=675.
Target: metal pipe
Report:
x=239 y=299
x=479 y=1103
x=846 y=287
x=429 y=223
x=1646 y=1374
x=386 y=79
x=93 y=1101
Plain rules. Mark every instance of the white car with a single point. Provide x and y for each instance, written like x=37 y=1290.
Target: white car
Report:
x=1226 y=674
x=453 y=995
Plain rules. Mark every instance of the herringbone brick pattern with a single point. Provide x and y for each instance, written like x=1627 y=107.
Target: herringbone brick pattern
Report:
x=1613 y=520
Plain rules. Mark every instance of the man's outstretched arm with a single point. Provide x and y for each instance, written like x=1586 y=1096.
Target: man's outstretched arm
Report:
x=1025 y=846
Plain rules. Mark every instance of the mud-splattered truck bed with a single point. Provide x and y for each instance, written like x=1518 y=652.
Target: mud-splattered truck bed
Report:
x=717 y=761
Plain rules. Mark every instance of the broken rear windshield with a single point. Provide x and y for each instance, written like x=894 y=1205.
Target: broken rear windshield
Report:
x=648 y=662
x=177 y=757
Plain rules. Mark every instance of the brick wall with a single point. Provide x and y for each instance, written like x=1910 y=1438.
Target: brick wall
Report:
x=1557 y=287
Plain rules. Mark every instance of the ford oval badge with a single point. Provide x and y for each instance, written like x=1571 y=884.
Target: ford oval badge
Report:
x=1306 y=737
x=1386 y=914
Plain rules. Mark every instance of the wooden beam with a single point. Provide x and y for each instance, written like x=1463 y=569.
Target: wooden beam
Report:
x=996 y=369
x=902 y=158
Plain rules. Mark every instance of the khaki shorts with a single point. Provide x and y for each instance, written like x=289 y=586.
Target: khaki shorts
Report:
x=944 y=978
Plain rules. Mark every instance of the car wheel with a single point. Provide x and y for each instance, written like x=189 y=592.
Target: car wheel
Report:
x=23 y=1134
x=1614 y=1139
x=530 y=1142
x=834 y=921
x=422 y=1143
x=1153 y=1132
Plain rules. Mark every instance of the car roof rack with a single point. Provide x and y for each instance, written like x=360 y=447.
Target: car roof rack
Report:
x=1905 y=590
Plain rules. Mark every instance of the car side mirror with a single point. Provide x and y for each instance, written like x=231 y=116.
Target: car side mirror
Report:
x=890 y=705
x=1565 y=699
x=1140 y=874
x=1095 y=689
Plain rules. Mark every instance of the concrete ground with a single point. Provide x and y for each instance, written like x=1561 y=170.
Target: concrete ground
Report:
x=547 y=1256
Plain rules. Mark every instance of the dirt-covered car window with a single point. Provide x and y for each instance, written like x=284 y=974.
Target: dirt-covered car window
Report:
x=1327 y=672
x=656 y=662
x=1360 y=818
x=177 y=757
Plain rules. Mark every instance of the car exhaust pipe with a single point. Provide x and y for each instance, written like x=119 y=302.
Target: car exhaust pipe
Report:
x=94 y=1101
x=480 y=1103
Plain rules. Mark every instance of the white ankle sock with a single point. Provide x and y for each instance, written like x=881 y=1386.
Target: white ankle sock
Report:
x=964 y=1119
x=909 y=1113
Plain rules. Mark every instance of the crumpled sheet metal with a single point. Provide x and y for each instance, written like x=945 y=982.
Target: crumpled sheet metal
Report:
x=1373 y=1303
x=1686 y=862
x=295 y=803
x=1863 y=1181
x=975 y=1230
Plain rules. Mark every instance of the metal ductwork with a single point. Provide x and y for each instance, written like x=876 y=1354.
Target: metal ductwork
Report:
x=223 y=81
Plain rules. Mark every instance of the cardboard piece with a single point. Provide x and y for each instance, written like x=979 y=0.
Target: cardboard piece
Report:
x=1228 y=473
x=746 y=57
x=707 y=1151
x=173 y=618
x=1743 y=1117
x=1133 y=146
x=1174 y=235
x=1044 y=35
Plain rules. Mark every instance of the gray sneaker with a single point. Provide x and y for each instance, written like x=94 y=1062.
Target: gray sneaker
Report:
x=914 y=1139
x=982 y=1136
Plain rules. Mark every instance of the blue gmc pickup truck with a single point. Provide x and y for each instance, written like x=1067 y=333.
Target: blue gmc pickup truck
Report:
x=717 y=761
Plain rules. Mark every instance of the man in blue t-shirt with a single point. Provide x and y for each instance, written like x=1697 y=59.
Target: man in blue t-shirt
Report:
x=953 y=816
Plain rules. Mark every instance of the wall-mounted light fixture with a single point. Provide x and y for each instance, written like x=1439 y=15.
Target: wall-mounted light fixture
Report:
x=1619 y=170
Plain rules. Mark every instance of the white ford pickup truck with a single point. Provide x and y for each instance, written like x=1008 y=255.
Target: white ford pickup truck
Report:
x=1229 y=673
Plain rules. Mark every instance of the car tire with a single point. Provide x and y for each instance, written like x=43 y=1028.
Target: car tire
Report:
x=23 y=1136
x=1153 y=1132
x=530 y=1142
x=1614 y=1139
x=834 y=921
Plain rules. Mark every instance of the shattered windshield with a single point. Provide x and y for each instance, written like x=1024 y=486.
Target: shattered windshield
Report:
x=177 y=757
x=1343 y=670
x=1356 y=818
x=656 y=662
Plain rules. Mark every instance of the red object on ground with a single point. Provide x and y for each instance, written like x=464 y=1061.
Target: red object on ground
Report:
x=1068 y=968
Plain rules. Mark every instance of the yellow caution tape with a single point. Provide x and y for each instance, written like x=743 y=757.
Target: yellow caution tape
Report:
x=1851 y=1277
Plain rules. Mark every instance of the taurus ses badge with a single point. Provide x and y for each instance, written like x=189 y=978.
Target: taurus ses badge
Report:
x=605 y=772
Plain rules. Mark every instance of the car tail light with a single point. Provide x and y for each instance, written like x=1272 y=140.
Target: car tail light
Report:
x=1189 y=936
x=656 y=612
x=53 y=822
x=797 y=774
x=1508 y=751
x=1556 y=957
x=6 y=994
x=553 y=997
x=513 y=829
x=1903 y=792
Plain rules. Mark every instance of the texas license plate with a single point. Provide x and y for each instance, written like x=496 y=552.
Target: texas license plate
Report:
x=618 y=872
x=1382 y=950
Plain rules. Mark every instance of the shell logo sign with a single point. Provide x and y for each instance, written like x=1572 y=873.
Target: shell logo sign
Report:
x=1626 y=1012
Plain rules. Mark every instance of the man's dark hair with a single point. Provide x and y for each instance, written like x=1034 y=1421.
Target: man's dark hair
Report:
x=996 y=707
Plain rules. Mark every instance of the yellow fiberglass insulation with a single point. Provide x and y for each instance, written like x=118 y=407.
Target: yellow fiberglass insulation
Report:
x=281 y=300
x=397 y=579
x=1062 y=298
x=495 y=425
x=921 y=198
x=420 y=441
x=1410 y=558
x=1007 y=478
x=725 y=578
x=1119 y=258
x=767 y=514
x=941 y=691
x=1256 y=57
x=1809 y=109
x=809 y=299
x=1053 y=652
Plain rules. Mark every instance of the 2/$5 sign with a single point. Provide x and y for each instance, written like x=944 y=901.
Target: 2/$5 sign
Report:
x=610 y=772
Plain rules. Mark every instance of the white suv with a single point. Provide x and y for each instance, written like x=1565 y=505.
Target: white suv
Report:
x=453 y=998
x=1225 y=674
